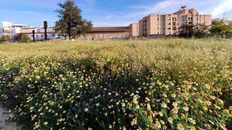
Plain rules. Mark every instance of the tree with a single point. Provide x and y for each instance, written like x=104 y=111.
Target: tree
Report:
x=201 y=30
x=198 y=31
x=186 y=31
x=219 y=28
x=70 y=20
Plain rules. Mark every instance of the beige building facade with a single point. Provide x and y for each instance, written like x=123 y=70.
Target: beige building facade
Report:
x=134 y=30
x=170 y=24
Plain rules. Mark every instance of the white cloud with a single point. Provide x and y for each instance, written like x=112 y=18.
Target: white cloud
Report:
x=222 y=8
x=214 y=7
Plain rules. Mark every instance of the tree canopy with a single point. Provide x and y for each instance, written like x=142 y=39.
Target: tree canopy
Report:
x=70 y=21
x=198 y=31
x=221 y=29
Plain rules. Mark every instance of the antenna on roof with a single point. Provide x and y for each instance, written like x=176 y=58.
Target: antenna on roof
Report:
x=183 y=6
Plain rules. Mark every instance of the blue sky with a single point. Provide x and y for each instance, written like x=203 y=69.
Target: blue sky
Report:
x=106 y=12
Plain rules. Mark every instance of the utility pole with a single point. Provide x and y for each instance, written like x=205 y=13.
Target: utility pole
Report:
x=45 y=30
x=33 y=35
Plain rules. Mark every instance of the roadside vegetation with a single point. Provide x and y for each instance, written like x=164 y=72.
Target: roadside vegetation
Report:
x=138 y=84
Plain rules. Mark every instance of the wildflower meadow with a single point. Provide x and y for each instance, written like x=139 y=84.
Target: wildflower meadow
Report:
x=118 y=85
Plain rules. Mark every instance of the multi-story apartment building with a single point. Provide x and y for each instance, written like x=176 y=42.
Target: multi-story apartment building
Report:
x=170 y=24
x=134 y=30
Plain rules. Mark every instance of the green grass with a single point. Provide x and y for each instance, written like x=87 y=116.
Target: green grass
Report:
x=163 y=83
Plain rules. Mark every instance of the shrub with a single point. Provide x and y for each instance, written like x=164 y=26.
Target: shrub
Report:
x=22 y=38
x=6 y=38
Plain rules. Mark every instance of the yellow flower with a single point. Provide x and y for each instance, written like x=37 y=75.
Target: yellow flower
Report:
x=186 y=108
x=148 y=107
x=134 y=122
x=180 y=126
x=223 y=127
x=153 y=126
x=156 y=113
x=162 y=122
x=175 y=110
x=135 y=99
x=164 y=127
x=174 y=104
x=46 y=123
x=37 y=77
x=191 y=120
x=161 y=114
x=173 y=95
x=164 y=105
x=149 y=118
x=158 y=125
x=193 y=128
x=170 y=120
x=230 y=107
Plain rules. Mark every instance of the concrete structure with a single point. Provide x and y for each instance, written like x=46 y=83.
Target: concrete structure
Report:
x=39 y=33
x=170 y=24
x=101 y=33
x=11 y=29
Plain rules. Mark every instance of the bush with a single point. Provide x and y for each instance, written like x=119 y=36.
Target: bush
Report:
x=22 y=38
x=121 y=86
x=5 y=38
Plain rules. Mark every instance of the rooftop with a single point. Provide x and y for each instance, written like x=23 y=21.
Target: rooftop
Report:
x=111 y=29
